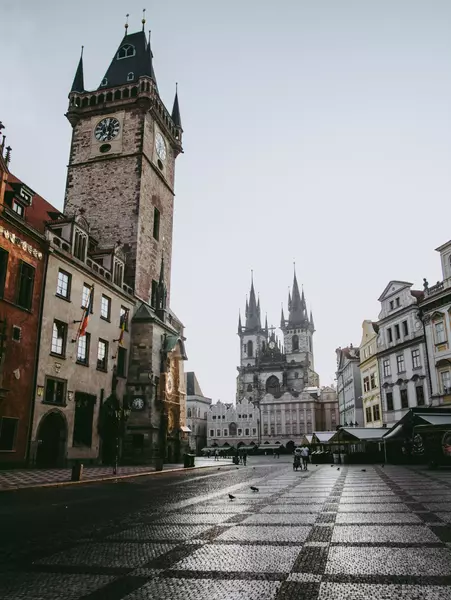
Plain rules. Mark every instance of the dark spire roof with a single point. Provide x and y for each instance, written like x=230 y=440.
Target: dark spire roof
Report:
x=135 y=60
x=282 y=319
x=176 y=110
x=78 y=84
x=240 y=327
x=298 y=310
x=312 y=325
x=161 y=291
x=253 y=313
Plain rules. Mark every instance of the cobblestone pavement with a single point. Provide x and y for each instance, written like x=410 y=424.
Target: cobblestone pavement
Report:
x=15 y=478
x=327 y=534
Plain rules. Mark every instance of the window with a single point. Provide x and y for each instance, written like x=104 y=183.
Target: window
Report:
x=130 y=76
x=153 y=298
x=59 y=338
x=295 y=343
x=400 y=363
x=296 y=375
x=254 y=431
x=63 y=284
x=26 y=282
x=366 y=384
x=376 y=412
x=416 y=363
x=83 y=349
x=84 y=412
x=387 y=369
x=404 y=399
x=398 y=302
x=212 y=433
x=265 y=429
x=118 y=273
x=246 y=432
x=188 y=413
x=126 y=51
x=55 y=391
x=214 y=417
x=392 y=305
x=156 y=223
x=405 y=328
x=397 y=332
x=123 y=318
x=218 y=433
x=18 y=208
x=390 y=335
x=272 y=385
x=3 y=267
x=80 y=245
x=105 y=307
x=373 y=381
x=102 y=355
x=250 y=348
x=369 y=416
x=389 y=398
x=226 y=432
x=17 y=333
x=419 y=391
x=440 y=335
x=86 y=296
x=121 y=362
x=8 y=433
x=445 y=376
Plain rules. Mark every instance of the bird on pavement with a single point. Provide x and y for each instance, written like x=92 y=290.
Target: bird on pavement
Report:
x=331 y=465
x=254 y=489
x=338 y=468
x=363 y=470
x=231 y=497
x=383 y=465
x=316 y=465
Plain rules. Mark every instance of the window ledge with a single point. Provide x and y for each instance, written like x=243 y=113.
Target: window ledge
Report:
x=61 y=405
x=82 y=364
x=63 y=298
x=101 y=369
x=107 y=319
x=62 y=356
x=417 y=368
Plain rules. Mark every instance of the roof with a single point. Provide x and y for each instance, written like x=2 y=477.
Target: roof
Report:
x=176 y=112
x=138 y=64
x=297 y=315
x=401 y=285
x=40 y=212
x=436 y=419
x=360 y=433
x=419 y=294
x=192 y=385
x=324 y=436
x=78 y=84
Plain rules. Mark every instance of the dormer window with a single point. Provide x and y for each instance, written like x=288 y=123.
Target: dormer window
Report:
x=104 y=82
x=126 y=51
x=18 y=208
x=130 y=76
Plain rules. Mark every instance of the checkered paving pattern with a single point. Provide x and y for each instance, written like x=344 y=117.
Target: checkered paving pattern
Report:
x=328 y=534
x=18 y=478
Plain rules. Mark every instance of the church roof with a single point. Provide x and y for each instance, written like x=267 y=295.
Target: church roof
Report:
x=298 y=309
x=253 y=312
x=78 y=84
x=133 y=59
x=176 y=111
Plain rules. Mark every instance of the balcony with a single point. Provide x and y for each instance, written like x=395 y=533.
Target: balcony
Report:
x=439 y=287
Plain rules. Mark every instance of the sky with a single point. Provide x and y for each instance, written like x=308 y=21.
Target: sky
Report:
x=315 y=131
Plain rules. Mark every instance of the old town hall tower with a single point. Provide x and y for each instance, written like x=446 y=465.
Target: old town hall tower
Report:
x=122 y=162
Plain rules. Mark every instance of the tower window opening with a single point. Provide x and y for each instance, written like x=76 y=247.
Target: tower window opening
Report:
x=272 y=385
x=126 y=51
x=104 y=82
x=130 y=76
x=250 y=348
x=295 y=343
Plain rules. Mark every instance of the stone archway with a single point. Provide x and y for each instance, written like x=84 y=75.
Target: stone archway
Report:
x=51 y=439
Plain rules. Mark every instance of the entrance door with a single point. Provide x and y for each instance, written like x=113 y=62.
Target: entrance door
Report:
x=51 y=441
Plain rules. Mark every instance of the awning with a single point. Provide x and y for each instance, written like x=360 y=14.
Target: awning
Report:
x=357 y=434
x=270 y=446
x=185 y=429
x=395 y=432
x=246 y=447
x=436 y=419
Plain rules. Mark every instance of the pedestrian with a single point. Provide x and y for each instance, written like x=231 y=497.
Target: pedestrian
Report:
x=244 y=458
x=216 y=455
x=304 y=455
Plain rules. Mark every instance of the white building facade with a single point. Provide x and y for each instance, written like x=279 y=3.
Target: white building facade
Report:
x=349 y=386
x=401 y=351
x=230 y=425
x=197 y=409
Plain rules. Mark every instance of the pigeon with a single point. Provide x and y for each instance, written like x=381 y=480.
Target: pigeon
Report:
x=316 y=465
x=219 y=468
x=338 y=468
x=363 y=470
x=383 y=465
x=231 y=497
x=331 y=465
x=254 y=489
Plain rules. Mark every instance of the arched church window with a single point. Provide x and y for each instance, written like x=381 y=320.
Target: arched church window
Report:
x=126 y=51
x=295 y=343
x=130 y=76
x=188 y=413
x=249 y=387
x=250 y=348
x=232 y=429
x=272 y=385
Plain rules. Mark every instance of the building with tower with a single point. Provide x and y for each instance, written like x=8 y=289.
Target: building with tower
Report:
x=121 y=179
x=277 y=374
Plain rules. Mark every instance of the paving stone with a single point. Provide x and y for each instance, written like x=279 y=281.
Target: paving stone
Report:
x=372 y=508
x=193 y=519
x=161 y=532
x=265 y=534
x=389 y=561
x=357 y=518
x=376 y=533
x=268 y=558
x=49 y=586
x=279 y=519
x=351 y=591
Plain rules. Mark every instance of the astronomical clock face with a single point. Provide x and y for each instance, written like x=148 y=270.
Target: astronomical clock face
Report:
x=169 y=384
x=107 y=129
x=272 y=345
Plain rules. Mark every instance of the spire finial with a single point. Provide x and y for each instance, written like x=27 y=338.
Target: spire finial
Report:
x=126 y=23
x=82 y=48
x=143 y=20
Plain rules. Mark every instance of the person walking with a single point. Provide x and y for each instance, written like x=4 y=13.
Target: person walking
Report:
x=216 y=455
x=304 y=455
x=244 y=458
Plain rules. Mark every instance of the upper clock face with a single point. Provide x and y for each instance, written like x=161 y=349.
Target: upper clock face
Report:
x=138 y=403
x=272 y=345
x=160 y=146
x=107 y=129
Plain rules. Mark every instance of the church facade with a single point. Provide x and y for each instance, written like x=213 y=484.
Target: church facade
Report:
x=277 y=375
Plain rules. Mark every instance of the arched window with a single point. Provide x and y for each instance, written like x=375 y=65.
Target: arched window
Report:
x=188 y=413
x=272 y=385
x=126 y=51
x=232 y=429
x=250 y=348
x=130 y=76
x=249 y=387
x=295 y=343
x=246 y=432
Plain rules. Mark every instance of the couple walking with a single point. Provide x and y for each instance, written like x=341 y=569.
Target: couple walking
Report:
x=302 y=454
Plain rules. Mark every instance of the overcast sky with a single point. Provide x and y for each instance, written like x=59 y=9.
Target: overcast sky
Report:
x=315 y=130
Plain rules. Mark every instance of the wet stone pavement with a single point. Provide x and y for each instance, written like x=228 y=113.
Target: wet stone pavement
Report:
x=327 y=534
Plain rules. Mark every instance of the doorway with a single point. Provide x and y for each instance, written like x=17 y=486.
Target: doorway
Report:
x=52 y=434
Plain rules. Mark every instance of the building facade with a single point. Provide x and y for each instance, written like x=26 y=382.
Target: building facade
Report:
x=401 y=351
x=435 y=312
x=23 y=264
x=369 y=375
x=197 y=408
x=233 y=425
x=349 y=386
x=79 y=370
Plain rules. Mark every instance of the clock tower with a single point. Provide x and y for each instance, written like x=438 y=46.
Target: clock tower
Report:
x=122 y=163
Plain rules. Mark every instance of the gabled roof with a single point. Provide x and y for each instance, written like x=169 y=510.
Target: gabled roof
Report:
x=399 y=285
x=192 y=385
x=39 y=212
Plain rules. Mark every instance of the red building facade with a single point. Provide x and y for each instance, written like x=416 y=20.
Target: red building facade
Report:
x=23 y=259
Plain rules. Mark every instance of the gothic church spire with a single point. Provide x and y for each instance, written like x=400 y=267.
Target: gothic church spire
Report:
x=78 y=84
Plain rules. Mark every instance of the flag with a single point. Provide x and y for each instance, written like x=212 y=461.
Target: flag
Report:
x=123 y=325
x=86 y=313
